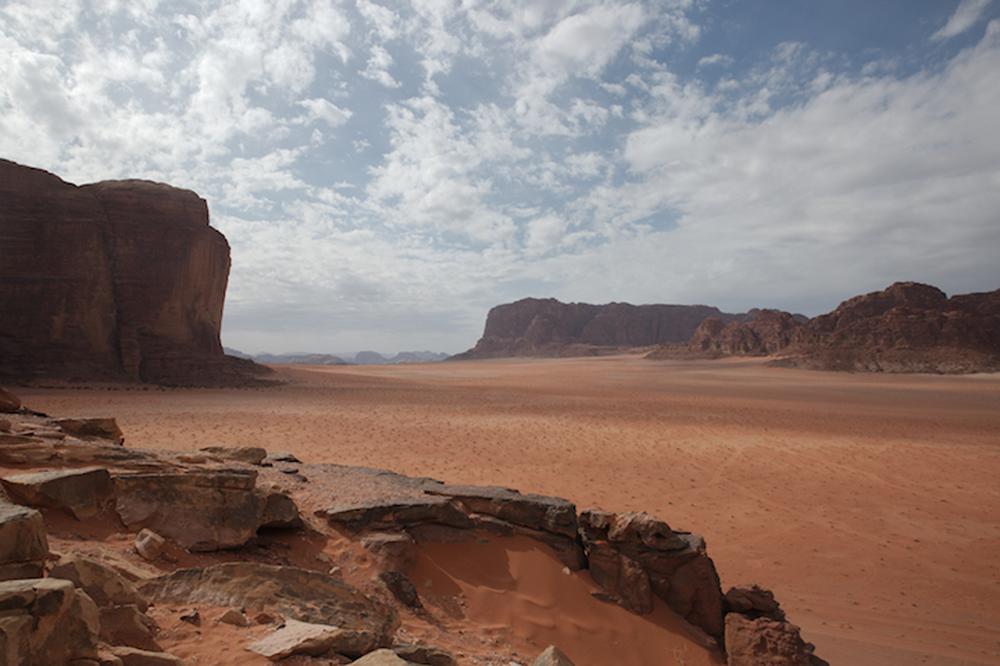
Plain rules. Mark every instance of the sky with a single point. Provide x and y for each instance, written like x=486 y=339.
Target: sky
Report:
x=386 y=172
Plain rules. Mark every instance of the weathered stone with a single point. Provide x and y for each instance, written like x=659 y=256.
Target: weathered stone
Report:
x=102 y=583
x=128 y=626
x=280 y=512
x=308 y=639
x=234 y=617
x=92 y=428
x=23 y=543
x=5 y=425
x=401 y=587
x=766 y=642
x=200 y=509
x=46 y=621
x=381 y=658
x=149 y=544
x=300 y=594
x=81 y=492
x=393 y=550
x=552 y=656
x=421 y=654
x=396 y=513
x=251 y=455
x=540 y=512
x=753 y=602
x=9 y=403
x=281 y=456
x=131 y=656
x=678 y=569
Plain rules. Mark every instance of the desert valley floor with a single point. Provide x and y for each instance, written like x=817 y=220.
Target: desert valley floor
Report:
x=870 y=504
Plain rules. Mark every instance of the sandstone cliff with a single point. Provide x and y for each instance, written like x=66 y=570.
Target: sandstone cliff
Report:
x=908 y=327
x=547 y=327
x=764 y=333
x=120 y=280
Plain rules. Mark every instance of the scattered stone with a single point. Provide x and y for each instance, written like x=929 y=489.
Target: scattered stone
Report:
x=381 y=658
x=128 y=626
x=9 y=403
x=102 y=583
x=235 y=617
x=149 y=544
x=135 y=657
x=83 y=493
x=265 y=618
x=552 y=656
x=300 y=594
x=281 y=457
x=46 y=621
x=191 y=617
x=766 y=642
x=23 y=543
x=421 y=654
x=251 y=455
x=92 y=428
x=402 y=588
x=308 y=639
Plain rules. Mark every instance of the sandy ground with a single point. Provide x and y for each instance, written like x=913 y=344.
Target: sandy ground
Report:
x=869 y=504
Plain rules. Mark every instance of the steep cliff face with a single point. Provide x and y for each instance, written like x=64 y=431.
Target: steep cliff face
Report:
x=908 y=327
x=547 y=327
x=115 y=280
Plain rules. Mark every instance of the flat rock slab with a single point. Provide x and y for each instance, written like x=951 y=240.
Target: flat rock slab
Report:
x=299 y=594
x=100 y=427
x=305 y=638
x=103 y=584
x=81 y=492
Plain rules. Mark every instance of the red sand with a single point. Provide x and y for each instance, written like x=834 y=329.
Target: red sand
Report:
x=870 y=504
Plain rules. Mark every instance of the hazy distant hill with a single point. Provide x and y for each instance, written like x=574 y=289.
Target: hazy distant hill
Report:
x=300 y=359
x=358 y=358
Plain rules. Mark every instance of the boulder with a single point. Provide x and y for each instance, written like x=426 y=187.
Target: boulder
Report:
x=620 y=547
x=307 y=639
x=395 y=513
x=9 y=403
x=552 y=656
x=753 y=601
x=82 y=493
x=381 y=658
x=394 y=551
x=131 y=656
x=279 y=512
x=101 y=583
x=128 y=626
x=200 y=509
x=401 y=587
x=23 y=542
x=538 y=512
x=421 y=654
x=235 y=618
x=251 y=455
x=294 y=593
x=149 y=544
x=46 y=621
x=766 y=642
x=92 y=428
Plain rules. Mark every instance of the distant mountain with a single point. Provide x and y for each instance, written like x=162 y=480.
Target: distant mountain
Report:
x=369 y=358
x=229 y=351
x=418 y=357
x=300 y=359
x=547 y=327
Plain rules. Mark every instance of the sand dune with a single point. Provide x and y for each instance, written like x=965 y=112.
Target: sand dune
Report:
x=869 y=503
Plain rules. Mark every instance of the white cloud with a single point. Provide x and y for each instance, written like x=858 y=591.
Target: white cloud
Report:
x=378 y=67
x=326 y=111
x=966 y=15
x=715 y=59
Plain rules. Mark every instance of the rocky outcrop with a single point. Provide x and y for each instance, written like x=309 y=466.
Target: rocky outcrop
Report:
x=765 y=332
x=552 y=656
x=46 y=621
x=9 y=403
x=634 y=556
x=757 y=633
x=908 y=327
x=299 y=594
x=23 y=542
x=120 y=280
x=80 y=492
x=547 y=327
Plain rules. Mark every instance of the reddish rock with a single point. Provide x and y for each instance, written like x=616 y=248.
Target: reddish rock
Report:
x=766 y=642
x=908 y=327
x=547 y=327
x=23 y=542
x=120 y=280
x=766 y=332
x=83 y=493
x=9 y=403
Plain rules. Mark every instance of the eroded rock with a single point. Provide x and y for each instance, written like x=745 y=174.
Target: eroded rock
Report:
x=131 y=656
x=128 y=626
x=149 y=544
x=294 y=593
x=766 y=642
x=552 y=656
x=46 y=621
x=381 y=658
x=105 y=428
x=82 y=493
x=308 y=639
x=102 y=583
x=251 y=455
x=23 y=542
x=422 y=654
x=9 y=403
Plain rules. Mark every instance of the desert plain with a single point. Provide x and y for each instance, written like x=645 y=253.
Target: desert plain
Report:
x=869 y=503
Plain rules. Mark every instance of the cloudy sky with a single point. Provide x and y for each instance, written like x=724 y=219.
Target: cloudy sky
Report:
x=387 y=171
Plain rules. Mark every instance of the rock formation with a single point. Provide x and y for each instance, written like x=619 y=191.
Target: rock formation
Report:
x=763 y=333
x=120 y=280
x=547 y=327
x=908 y=327
x=205 y=505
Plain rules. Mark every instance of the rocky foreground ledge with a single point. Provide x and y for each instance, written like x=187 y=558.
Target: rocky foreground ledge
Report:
x=220 y=507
